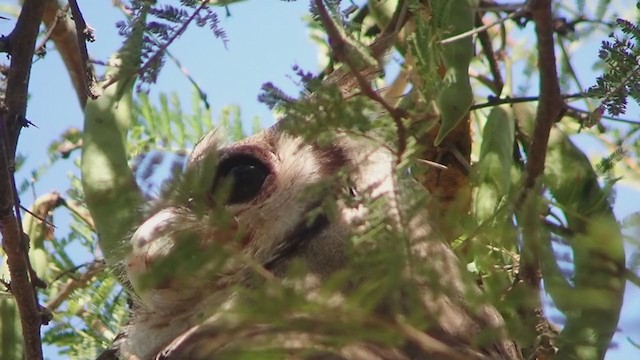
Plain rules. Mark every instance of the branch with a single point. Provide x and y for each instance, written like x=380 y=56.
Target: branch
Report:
x=495 y=101
x=162 y=49
x=345 y=79
x=59 y=17
x=571 y=110
x=550 y=108
x=194 y=83
x=81 y=212
x=84 y=34
x=340 y=48
x=431 y=345
x=632 y=277
x=482 y=28
x=550 y=105
x=22 y=43
x=588 y=118
x=72 y=284
x=497 y=83
x=38 y=217
x=489 y=5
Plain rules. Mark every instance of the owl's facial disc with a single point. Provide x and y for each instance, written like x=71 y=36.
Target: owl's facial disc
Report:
x=241 y=178
x=249 y=199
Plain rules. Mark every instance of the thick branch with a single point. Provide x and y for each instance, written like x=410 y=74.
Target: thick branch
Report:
x=22 y=44
x=550 y=104
x=549 y=110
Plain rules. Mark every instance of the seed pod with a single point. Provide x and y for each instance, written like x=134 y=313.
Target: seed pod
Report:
x=494 y=167
x=456 y=97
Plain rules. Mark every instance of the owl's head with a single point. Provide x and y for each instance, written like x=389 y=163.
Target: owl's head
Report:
x=249 y=210
x=256 y=204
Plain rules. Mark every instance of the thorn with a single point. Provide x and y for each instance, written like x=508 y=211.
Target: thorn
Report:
x=26 y=123
x=37 y=217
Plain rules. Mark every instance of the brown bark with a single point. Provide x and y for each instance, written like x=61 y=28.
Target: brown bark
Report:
x=12 y=118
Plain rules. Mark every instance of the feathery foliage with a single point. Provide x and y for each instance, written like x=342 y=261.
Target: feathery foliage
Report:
x=621 y=80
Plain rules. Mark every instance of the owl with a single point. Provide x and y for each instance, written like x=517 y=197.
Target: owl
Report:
x=295 y=249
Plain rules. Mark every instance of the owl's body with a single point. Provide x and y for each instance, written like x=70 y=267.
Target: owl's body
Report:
x=243 y=214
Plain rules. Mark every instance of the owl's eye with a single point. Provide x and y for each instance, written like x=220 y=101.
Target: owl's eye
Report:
x=246 y=175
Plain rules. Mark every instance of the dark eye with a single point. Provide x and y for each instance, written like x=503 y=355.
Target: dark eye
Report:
x=245 y=174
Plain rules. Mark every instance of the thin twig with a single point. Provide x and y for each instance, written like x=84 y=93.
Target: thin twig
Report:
x=185 y=72
x=41 y=48
x=585 y=116
x=338 y=45
x=432 y=345
x=559 y=229
x=494 y=101
x=72 y=284
x=81 y=212
x=84 y=34
x=432 y=163
x=487 y=48
x=567 y=62
x=493 y=6
x=474 y=31
x=41 y=219
x=70 y=271
x=162 y=49
x=345 y=79
x=633 y=277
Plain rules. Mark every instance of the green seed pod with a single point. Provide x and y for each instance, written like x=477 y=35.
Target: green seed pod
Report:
x=598 y=251
x=456 y=97
x=110 y=190
x=496 y=159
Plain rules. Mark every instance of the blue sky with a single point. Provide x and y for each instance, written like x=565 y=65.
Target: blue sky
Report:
x=266 y=38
